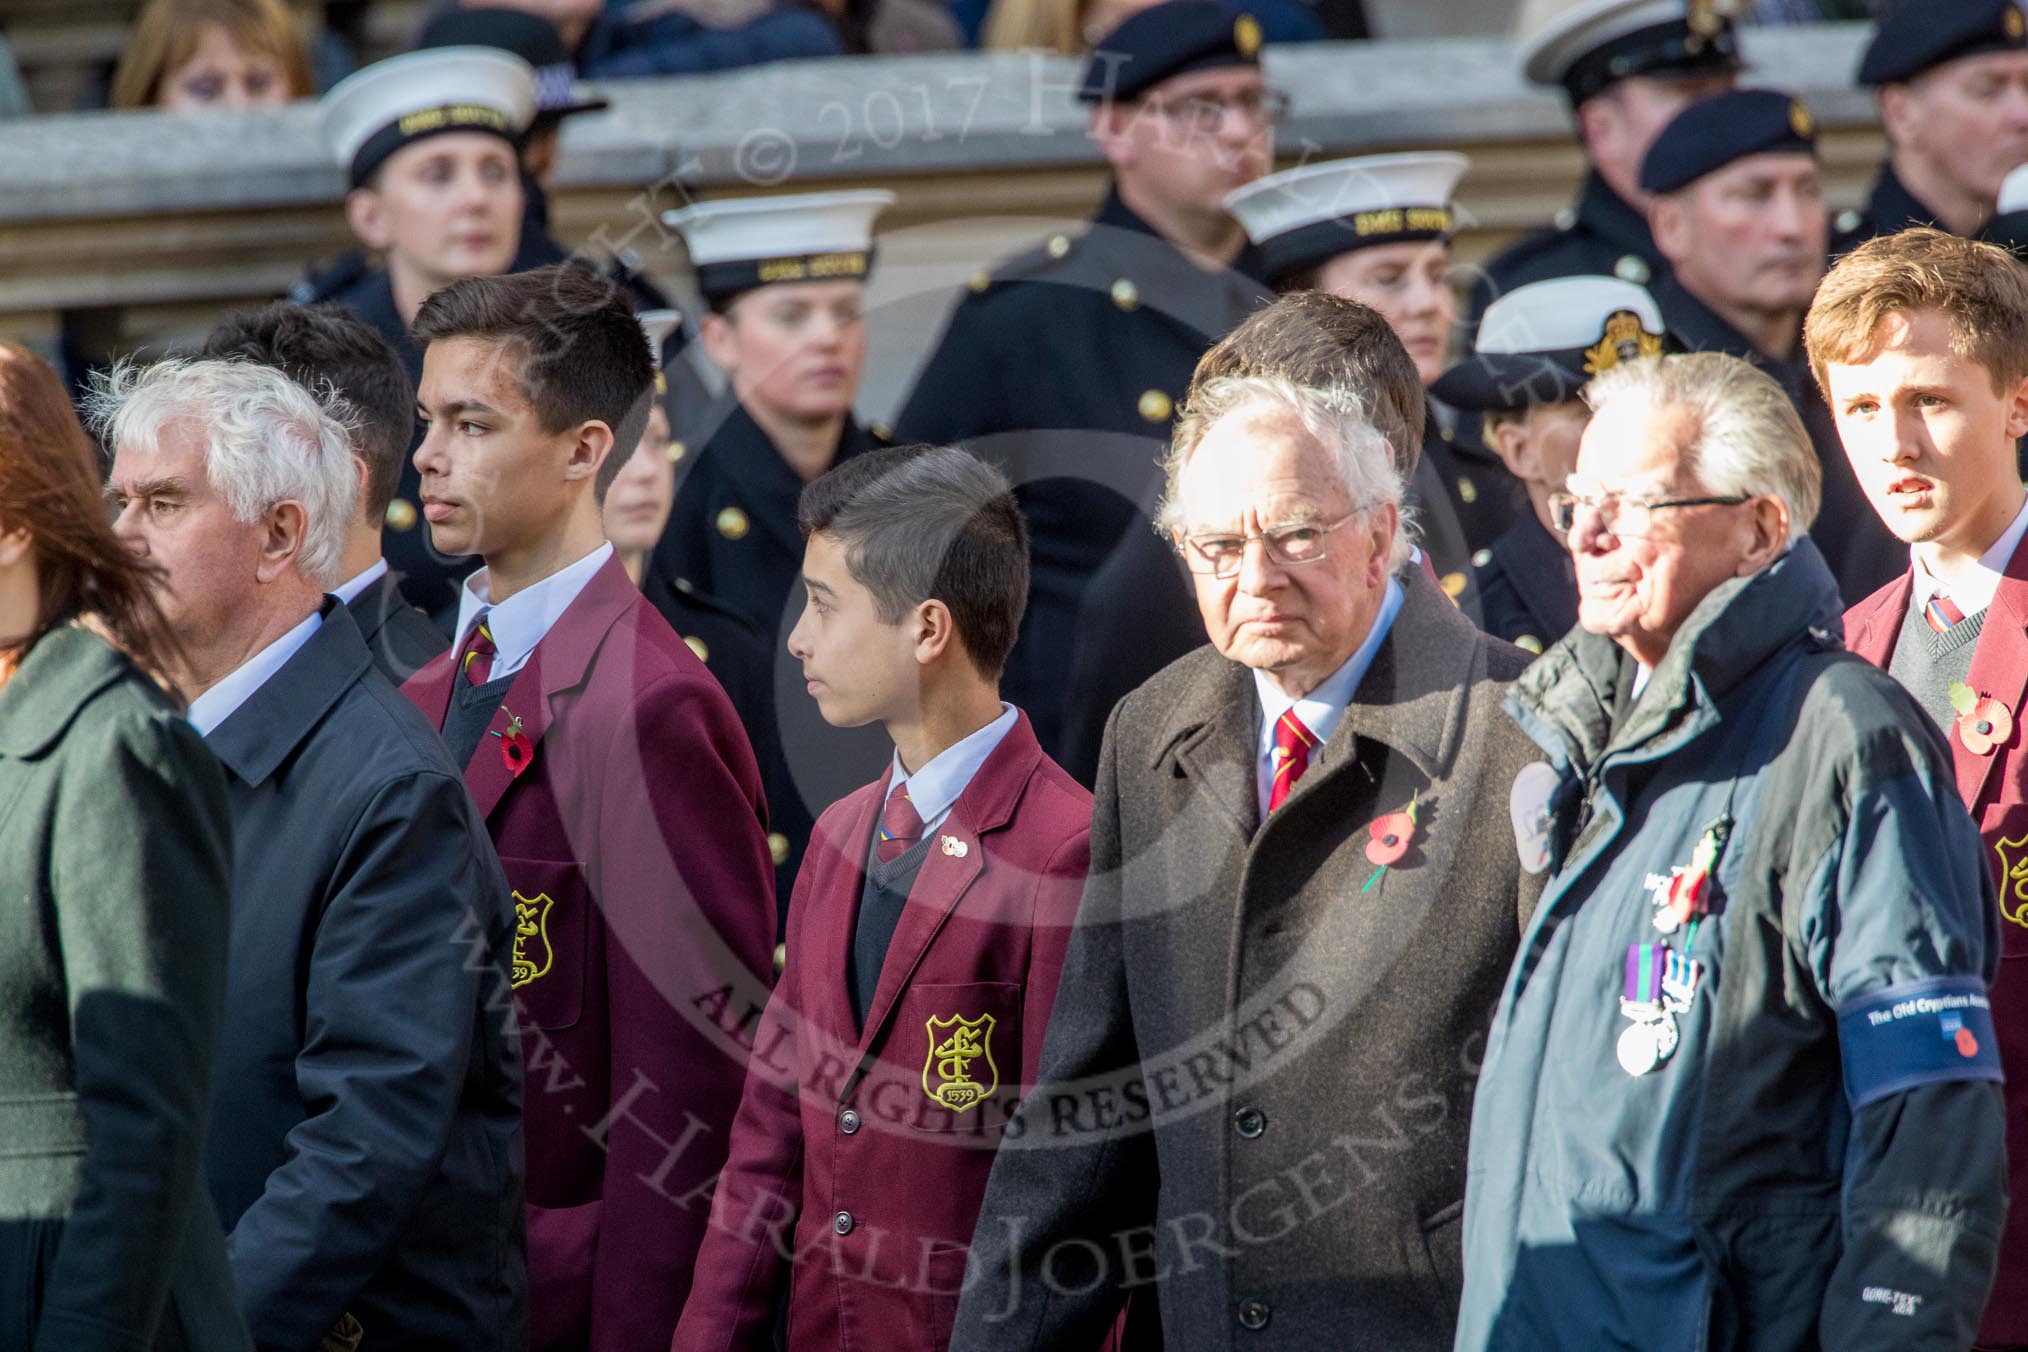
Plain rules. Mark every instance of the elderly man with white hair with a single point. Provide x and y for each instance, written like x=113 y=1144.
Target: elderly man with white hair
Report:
x=1304 y=894
x=1742 y=1089
x=365 y=1151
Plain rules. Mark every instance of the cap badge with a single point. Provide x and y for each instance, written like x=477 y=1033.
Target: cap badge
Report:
x=1704 y=17
x=1624 y=340
x=1246 y=35
x=2010 y=19
x=1800 y=119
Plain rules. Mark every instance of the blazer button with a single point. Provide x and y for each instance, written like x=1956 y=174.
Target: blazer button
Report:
x=1250 y=1122
x=848 y=1122
x=842 y=1222
x=1253 y=1314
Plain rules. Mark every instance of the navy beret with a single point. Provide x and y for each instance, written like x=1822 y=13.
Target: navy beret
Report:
x=1711 y=134
x=1916 y=36
x=1166 y=40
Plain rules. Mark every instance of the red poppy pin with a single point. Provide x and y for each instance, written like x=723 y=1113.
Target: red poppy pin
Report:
x=1393 y=835
x=516 y=751
x=1983 y=722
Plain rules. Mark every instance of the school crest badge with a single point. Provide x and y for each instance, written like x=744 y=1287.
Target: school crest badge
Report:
x=532 y=954
x=959 y=1072
x=2013 y=853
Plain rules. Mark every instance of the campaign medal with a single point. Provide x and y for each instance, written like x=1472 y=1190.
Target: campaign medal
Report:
x=1660 y=984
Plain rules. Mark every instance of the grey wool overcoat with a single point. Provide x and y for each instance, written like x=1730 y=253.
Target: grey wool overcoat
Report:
x=1256 y=1085
x=115 y=887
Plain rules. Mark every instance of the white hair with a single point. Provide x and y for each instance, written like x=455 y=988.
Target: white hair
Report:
x=1333 y=415
x=1749 y=440
x=267 y=440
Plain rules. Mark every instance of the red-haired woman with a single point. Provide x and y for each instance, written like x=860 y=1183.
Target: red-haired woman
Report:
x=115 y=877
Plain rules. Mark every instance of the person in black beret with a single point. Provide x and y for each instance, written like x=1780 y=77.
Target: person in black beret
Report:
x=1952 y=84
x=1627 y=67
x=1738 y=212
x=1063 y=366
x=1538 y=346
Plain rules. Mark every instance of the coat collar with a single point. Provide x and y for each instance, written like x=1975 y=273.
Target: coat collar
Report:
x=1608 y=215
x=747 y=457
x=1729 y=637
x=1410 y=700
x=277 y=718
x=60 y=674
x=1545 y=580
x=1891 y=208
x=986 y=805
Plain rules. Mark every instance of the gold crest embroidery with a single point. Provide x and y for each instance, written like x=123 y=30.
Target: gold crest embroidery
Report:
x=532 y=954
x=2011 y=20
x=1624 y=340
x=960 y=1053
x=1800 y=120
x=2013 y=878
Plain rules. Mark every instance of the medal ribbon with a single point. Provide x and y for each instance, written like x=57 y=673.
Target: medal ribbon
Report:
x=1645 y=965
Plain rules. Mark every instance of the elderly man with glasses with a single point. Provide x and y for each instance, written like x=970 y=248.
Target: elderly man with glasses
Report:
x=1742 y=1089
x=1064 y=365
x=1305 y=892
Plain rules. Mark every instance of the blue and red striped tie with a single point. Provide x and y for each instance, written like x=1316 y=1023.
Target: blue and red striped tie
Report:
x=1941 y=613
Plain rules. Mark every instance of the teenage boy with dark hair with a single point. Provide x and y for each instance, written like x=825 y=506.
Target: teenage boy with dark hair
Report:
x=1920 y=343
x=322 y=345
x=618 y=787
x=929 y=926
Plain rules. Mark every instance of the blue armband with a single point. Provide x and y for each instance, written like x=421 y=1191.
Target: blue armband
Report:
x=1920 y=1032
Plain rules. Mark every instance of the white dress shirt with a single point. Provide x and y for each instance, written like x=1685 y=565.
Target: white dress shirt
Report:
x=348 y=590
x=935 y=787
x=220 y=702
x=519 y=622
x=1974 y=591
x=1321 y=709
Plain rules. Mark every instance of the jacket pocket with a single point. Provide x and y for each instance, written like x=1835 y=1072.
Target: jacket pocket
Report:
x=552 y=927
x=960 y=1046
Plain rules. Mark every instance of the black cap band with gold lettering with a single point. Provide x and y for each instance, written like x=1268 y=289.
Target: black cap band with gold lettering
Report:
x=723 y=282
x=424 y=123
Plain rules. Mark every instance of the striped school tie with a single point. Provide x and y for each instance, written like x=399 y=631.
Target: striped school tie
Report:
x=477 y=661
x=900 y=826
x=1941 y=612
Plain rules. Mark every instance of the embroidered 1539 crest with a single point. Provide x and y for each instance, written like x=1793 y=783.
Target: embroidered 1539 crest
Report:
x=532 y=954
x=958 y=1071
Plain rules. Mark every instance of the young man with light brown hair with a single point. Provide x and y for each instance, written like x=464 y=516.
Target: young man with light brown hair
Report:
x=1920 y=343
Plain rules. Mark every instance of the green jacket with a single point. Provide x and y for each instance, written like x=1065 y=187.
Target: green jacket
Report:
x=115 y=872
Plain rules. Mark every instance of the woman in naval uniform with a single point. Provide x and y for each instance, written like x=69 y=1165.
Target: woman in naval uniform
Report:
x=785 y=282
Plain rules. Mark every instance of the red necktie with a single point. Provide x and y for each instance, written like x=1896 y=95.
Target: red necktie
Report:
x=1291 y=756
x=477 y=660
x=900 y=826
x=1941 y=612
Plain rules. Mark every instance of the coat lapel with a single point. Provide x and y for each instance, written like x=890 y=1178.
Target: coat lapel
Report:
x=1872 y=637
x=1999 y=669
x=1214 y=736
x=560 y=663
